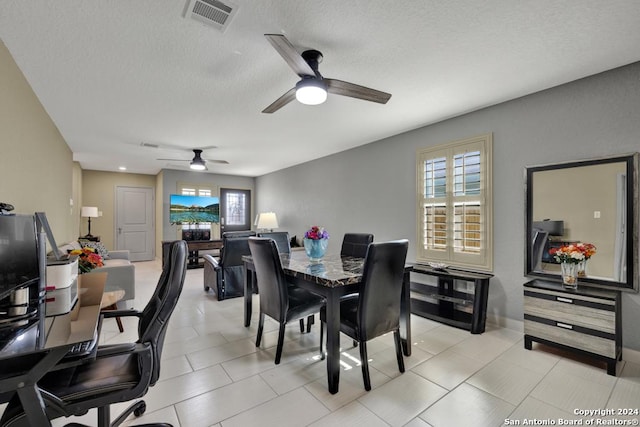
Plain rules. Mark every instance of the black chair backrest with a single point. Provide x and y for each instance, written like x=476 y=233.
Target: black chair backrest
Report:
x=232 y=234
x=152 y=326
x=233 y=249
x=356 y=244
x=281 y=238
x=272 y=284
x=379 y=301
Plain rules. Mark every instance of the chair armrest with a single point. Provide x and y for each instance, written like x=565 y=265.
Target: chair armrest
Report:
x=119 y=254
x=214 y=262
x=109 y=314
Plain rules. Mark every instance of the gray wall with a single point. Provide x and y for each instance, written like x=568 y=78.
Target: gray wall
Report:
x=171 y=178
x=373 y=188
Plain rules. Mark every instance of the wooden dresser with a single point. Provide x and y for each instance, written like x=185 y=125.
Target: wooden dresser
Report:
x=585 y=320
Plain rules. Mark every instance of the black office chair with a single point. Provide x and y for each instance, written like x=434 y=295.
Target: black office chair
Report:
x=375 y=310
x=227 y=274
x=355 y=244
x=120 y=372
x=281 y=238
x=278 y=299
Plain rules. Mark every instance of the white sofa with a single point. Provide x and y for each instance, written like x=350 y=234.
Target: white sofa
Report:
x=121 y=272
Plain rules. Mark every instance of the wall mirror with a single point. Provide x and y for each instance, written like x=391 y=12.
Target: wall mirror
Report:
x=588 y=201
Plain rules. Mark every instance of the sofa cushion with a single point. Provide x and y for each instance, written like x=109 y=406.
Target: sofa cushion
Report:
x=98 y=247
x=116 y=262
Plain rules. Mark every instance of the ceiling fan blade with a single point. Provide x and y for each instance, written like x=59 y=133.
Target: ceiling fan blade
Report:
x=289 y=96
x=338 y=87
x=290 y=55
x=222 y=162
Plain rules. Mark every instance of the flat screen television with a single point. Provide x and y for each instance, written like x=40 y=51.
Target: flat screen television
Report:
x=193 y=209
x=18 y=253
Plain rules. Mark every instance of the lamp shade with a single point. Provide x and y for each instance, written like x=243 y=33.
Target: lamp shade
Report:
x=89 y=211
x=267 y=220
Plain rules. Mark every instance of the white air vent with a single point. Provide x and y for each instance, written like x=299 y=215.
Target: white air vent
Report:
x=212 y=12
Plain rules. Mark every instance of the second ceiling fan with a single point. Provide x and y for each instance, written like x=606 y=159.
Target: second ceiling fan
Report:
x=198 y=163
x=312 y=89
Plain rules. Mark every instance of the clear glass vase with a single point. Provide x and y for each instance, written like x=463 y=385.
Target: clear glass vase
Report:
x=315 y=249
x=569 y=274
x=582 y=268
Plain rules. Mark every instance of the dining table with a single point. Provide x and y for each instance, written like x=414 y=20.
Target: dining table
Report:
x=333 y=277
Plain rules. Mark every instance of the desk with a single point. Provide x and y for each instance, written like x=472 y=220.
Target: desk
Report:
x=193 y=246
x=332 y=278
x=22 y=367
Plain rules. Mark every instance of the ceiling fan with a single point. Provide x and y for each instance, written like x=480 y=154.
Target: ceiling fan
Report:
x=312 y=88
x=198 y=163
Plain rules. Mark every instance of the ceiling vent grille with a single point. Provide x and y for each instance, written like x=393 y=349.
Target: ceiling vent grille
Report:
x=212 y=12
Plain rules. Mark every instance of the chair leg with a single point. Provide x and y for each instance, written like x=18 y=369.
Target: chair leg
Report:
x=310 y=321
x=321 y=340
x=260 y=327
x=280 y=343
x=138 y=408
x=302 y=326
x=364 y=359
x=104 y=416
x=396 y=336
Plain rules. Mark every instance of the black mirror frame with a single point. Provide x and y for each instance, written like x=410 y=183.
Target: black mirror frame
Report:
x=631 y=161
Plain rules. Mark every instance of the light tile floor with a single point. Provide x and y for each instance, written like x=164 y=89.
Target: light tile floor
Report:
x=213 y=375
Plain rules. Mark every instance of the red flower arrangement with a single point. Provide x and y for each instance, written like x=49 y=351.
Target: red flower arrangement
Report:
x=316 y=233
x=573 y=253
x=87 y=259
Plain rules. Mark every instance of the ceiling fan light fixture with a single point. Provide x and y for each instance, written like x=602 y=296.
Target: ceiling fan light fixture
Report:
x=197 y=165
x=311 y=91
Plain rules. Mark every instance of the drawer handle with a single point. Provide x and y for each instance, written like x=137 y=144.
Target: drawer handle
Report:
x=567 y=300
x=564 y=325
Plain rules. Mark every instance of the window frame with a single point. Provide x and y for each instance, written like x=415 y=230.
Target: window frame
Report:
x=483 y=259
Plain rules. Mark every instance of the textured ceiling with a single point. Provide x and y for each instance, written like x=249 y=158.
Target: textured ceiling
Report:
x=115 y=74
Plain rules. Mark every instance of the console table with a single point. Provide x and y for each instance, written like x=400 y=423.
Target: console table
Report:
x=445 y=303
x=194 y=246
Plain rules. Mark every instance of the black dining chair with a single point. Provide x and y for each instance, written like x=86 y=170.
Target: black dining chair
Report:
x=281 y=238
x=278 y=299
x=119 y=372
x=355 y=244
x=375 y=310
x=227 y=273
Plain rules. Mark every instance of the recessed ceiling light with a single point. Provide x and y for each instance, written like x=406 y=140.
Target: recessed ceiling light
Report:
x=122 y=168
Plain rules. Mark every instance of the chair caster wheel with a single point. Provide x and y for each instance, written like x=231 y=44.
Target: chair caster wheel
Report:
x=140 y=409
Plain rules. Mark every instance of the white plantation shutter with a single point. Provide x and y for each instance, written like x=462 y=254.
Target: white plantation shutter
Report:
x=454 y=202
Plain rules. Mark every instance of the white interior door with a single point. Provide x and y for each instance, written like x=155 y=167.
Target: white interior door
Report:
x=134 y=222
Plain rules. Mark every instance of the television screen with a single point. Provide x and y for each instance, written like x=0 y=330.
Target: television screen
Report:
x=18 y=252
x=193 y=209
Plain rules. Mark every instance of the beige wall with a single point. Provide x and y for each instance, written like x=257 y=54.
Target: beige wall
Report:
x=99 y=189
x=38 y=172
x=573 y=195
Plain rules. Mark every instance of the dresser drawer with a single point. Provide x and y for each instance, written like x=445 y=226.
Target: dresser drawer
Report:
x=589 y=313
x=585 y=320
x=560 y=333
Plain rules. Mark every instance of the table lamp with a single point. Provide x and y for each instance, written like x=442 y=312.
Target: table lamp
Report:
x=89 y=212
x=267 y=221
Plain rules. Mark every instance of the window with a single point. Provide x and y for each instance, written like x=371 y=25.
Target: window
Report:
x=454 y=203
